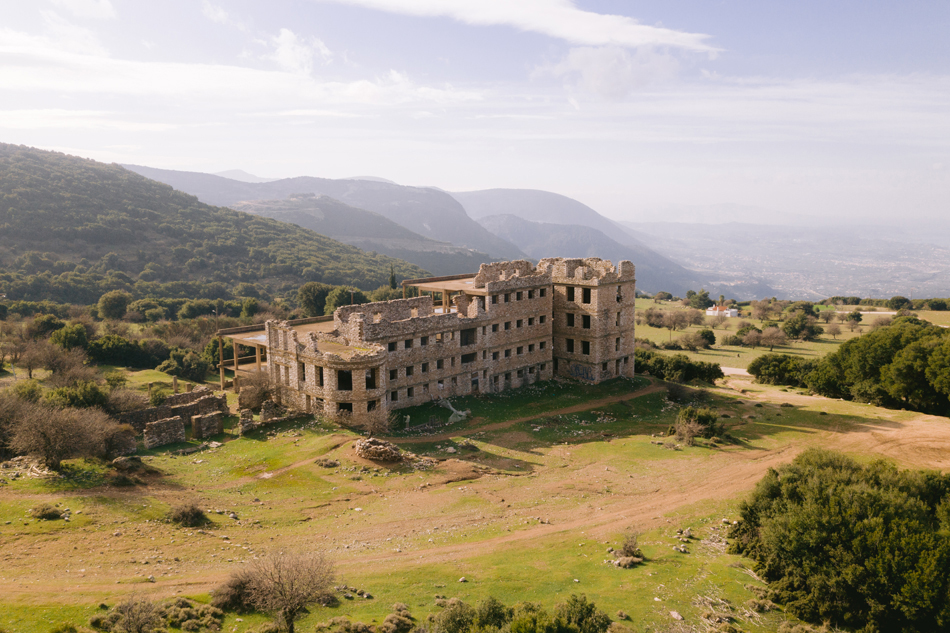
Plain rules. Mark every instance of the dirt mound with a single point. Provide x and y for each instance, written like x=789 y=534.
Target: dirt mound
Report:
x=377 y=450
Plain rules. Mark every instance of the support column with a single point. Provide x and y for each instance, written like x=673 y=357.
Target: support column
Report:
x=257 y=354
x=235 y=347
x=221 y=361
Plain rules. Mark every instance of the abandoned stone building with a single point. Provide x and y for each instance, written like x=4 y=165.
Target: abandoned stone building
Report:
x=511 y=324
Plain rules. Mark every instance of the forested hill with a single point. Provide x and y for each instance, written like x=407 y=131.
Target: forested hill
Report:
x=72 y=229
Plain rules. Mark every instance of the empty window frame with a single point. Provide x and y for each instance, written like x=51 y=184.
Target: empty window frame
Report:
x=585 y=295
x=425 y=368
x=494 y=327
x=585 y=321
x=530 y=348
x=409 y=371
x=540 y=292
x=530 y=321
x=519 y=323
x=570 y=345
x=494 y=355
x=393 y=374
x=392 y=346
x=507 y=325
x=542 y=319
x=439 y=364
x=424 y=340
x=371 y=405
x=570 y=319
x=370 y=378
x=617 y=345
x=542 y=344
x=468 y=358
x=520 y=350
x=345 y=406
x=409 y=392
x=517 y=296
x=468 y=336
x=507 y=353
x=585 y=347
x=344 y=380
x=570 y=293
x=408 y=343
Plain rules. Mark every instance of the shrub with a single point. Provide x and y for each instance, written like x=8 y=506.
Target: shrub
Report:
x=116 y=380
x=577 y=612
x=188 y=515
x=456 y=617
x=28 y=390
x=57 y=434
x=692 y=422
x=158 y=396
x=185 y=364
x=859 y=545
x=46 y=512
x=70 y=336
x=83 y=395
x=234 y=594
x=630 y=545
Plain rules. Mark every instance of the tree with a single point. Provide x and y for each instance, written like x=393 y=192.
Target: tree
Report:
x=826 y=315
x=392 y=276
x=249 y=308
x=938 y=305
x=662 y=296
x=57 y=434
x=312 y=297
x=343 y=296
x=834 y=329
x=700 y=300
x=802 y=326
x=71 y=336
x=112 y=305
x=772 y=336
x=898 y=303
x=854 y=318
x=284 y=584
x=752 y=338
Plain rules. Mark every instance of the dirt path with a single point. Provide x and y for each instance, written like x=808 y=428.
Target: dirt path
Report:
x=579 y=408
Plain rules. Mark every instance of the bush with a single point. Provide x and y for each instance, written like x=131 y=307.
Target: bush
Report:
x=53 y=435
x=46 y=512
x=692 y=422
x=188 y=515
x=581 y=615
x=186 y=364
x=70 y=336
x=781 y=369
x=234 y=595
x=676 y=368
x=860 y=546
x=631 y=545
x=28 y=390
x=83 y=395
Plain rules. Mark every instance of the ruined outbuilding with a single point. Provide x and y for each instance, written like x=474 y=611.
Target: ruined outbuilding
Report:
x=509 y=325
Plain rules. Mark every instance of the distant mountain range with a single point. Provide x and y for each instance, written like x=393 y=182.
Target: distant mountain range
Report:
x=429 y=212
x=436 y=229
x=368 y=230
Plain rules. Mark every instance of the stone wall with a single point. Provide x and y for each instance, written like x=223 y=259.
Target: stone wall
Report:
x=204 y=403
x=162 y=432
x=207 y=425
x=122 y=443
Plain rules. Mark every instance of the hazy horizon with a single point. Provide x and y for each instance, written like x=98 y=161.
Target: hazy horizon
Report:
x=835 y=112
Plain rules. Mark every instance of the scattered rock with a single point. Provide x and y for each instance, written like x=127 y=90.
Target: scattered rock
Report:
x=675 y=615
x=462 y=579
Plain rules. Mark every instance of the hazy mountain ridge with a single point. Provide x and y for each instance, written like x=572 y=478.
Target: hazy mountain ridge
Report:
x=367 y=230
x=428 y=212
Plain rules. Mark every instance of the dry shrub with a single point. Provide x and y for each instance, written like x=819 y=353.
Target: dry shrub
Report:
x=760 y=606
x=46 y=512
x=687 y=431
x=630 y=545
x=53 y=435
x=255 y=390
x=326 y=462
x=125 y=400
x=234 y=594
x=395 y=623
x=188 y=515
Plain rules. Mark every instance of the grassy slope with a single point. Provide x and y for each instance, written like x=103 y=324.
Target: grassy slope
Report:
x=403 y=540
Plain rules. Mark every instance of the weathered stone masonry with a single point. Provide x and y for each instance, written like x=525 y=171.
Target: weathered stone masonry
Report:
x=510 y=325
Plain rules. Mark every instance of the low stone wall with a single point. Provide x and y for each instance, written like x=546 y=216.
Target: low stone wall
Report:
x=162 y=432
x=207 y=425
x=186 y=398
x=270 y=415
x=204 y=404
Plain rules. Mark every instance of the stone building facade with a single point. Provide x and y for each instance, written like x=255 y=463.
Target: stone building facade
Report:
x=511 y=324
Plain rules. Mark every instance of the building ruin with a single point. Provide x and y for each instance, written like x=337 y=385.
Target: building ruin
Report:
x=509 y=325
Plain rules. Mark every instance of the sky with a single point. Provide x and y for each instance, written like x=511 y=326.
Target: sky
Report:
x=838 y=111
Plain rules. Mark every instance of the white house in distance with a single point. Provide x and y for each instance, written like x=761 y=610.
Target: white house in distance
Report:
x=722 y=311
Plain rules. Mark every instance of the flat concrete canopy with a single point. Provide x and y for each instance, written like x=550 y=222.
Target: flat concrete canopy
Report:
x=450 y=285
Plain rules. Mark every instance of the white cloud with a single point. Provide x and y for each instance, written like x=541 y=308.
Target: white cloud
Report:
x=97 y=9
x=611 y=71
x=59 y=34
x=217 y=14
x=556 y=18
x=296 y=54
x=36 y=65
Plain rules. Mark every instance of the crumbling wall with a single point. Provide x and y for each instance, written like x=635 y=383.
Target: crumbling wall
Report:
x=207 y=425
x=206 y=402
x=162 y=432
x=503 y=271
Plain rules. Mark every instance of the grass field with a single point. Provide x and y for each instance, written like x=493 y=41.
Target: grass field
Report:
x=736 y=355
x=534 y=490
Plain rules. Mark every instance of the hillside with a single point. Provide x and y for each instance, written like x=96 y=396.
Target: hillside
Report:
x=368 y=231
x=72 y=229
x=428 y=212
